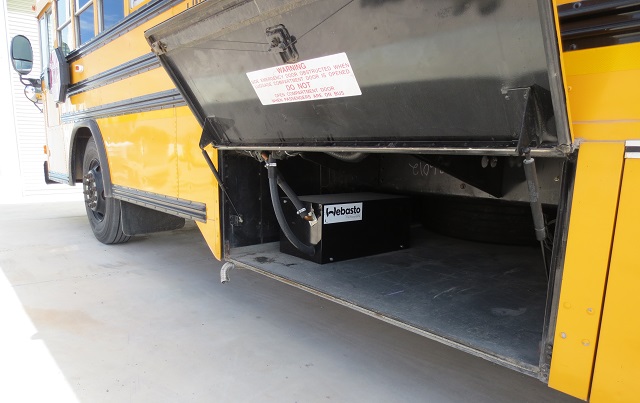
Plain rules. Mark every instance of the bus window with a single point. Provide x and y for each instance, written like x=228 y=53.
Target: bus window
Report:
x=65 y=33
x=84 y=21
x=112 y=12
x=46 y=38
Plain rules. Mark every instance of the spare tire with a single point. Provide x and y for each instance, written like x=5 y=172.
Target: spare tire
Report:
x=481 y=220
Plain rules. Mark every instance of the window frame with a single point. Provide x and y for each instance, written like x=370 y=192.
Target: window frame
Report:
x=47 y=36
x=69 y=22
x=78 y=11
x=72 y=21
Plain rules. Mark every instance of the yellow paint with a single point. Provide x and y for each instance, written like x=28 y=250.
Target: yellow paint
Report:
x=600 y=98
x=593 y=212
x=152 y=81
x=602 y=88
x=623 y=129
x=603 y=59
x=137 y=7
x=127 y=8
x=617 y=371
x=41 y=6
x=196 y=182
x=141 y=150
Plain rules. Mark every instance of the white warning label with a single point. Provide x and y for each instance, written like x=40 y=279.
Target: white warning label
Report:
x=321 y=78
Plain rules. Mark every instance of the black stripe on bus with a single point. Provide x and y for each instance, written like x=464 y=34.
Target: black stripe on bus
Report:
x=133 y=20
x=180 y=207
x=632 y=149
x=597 y=23
x=158 y=100
x=136 y=66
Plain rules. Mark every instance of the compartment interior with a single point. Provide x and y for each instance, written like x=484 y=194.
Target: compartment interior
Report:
x=474 y=276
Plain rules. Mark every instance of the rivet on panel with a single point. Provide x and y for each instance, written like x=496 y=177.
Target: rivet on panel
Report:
x=567 y=305
x=563 y=335
x=590 y=311
x=585 y=342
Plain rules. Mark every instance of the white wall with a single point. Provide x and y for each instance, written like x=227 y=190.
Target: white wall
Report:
x=22 y=134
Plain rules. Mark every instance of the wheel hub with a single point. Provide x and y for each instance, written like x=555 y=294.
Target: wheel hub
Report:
x=93 y=190
x=90 y=191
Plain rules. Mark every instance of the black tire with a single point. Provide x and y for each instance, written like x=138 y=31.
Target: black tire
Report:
x=481 y=220
x=103 y=212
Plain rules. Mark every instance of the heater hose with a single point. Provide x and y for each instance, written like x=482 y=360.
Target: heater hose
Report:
x=274 y=179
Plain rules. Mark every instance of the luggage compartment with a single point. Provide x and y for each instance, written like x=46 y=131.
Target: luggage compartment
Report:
x=474 y=276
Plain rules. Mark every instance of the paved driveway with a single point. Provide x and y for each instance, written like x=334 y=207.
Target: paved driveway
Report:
x=148 y=321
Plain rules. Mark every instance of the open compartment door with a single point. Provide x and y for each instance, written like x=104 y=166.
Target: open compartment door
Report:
x=363 y=74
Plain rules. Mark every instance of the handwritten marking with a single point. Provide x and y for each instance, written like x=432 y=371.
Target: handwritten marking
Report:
x=424 y=169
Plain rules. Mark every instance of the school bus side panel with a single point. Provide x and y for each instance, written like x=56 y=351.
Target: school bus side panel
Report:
x=617 y=370
x=141 y=150
x=196 y=182
x=601 y=85
x=593 y=214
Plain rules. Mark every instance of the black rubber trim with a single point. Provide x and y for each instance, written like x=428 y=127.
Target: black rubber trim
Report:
x=136 y=66
x=46 y=174
x=596 y=23
x=158 y=100
x=632 y=149
x=93 y=127
x=133 y=20
x=171 y=205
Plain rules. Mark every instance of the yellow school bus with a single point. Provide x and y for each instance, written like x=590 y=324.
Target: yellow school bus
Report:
x=464 y=169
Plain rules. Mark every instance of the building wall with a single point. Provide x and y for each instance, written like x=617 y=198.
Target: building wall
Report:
x=22 y=137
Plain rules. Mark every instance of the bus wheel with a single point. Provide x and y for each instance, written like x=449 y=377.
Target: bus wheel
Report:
x=103 y=212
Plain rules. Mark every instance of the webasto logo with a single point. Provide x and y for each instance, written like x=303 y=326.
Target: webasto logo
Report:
x=342 y=213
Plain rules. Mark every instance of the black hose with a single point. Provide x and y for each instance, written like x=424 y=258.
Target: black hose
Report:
x=277 y=208
x=300 y=209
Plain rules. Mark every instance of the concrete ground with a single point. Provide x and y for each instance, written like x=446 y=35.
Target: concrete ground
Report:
x=148 y=321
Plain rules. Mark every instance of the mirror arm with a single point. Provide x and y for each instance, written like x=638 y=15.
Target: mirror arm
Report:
x=35 y=103
x=36 y=83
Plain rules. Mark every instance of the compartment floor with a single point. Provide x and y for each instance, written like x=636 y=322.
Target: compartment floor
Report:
x=487 y=297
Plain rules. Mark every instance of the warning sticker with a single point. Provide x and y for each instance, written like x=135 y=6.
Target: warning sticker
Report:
x=321 y=78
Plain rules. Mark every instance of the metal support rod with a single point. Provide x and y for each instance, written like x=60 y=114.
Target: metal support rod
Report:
x=534 y=200
x=219 y=180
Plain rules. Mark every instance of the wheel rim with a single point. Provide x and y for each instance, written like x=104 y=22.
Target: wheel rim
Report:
x=93 y=189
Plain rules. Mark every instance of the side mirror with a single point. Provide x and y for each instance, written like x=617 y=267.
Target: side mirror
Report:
x=21 y=55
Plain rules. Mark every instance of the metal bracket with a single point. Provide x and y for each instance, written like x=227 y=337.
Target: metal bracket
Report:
x=283 y=43
x=159 y=48
x=235 y=220
x=529 y=109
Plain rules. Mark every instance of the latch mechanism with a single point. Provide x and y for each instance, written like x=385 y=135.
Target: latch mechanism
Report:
x=283 y=43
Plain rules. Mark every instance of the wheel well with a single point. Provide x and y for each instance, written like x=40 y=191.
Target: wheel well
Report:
x=80 y=140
